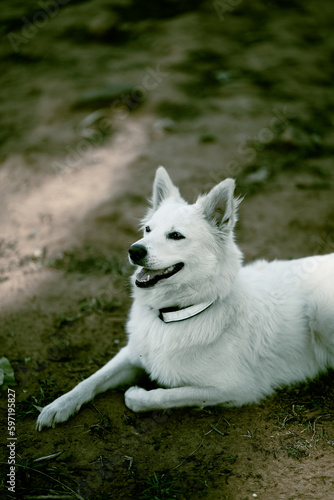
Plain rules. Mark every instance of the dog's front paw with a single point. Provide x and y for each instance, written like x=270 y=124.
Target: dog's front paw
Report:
x=136 y=399
x=59 y=411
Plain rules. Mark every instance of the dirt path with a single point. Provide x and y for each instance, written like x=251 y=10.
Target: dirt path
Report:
x=95 y=96
x=46 y=214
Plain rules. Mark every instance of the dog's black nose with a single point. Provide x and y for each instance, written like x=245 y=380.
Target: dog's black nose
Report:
x=137 y=253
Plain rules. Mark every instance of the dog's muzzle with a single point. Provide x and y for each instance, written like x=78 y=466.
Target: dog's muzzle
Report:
x=149 y=277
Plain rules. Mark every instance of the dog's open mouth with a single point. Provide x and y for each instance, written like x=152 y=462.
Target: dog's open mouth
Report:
x=149 y=277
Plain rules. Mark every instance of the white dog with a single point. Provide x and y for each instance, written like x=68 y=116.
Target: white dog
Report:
x=205 y=328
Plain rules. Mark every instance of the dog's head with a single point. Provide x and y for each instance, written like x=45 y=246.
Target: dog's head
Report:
x=185 y=246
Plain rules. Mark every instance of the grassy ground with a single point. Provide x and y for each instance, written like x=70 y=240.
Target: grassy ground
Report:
x=94 y=96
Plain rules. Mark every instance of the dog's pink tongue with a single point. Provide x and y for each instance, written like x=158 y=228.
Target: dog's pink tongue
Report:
x=146 y=274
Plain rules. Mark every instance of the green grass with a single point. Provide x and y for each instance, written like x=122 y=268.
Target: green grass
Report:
x=296 y=452
x=295 y=413
x=74 y=262
x=98 y=305
x=89 y=305
x=178 y=111
x=159 y=489
x=43 y=477
x=30 y=406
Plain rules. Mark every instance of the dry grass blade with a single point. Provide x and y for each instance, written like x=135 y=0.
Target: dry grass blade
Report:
x=74 y=493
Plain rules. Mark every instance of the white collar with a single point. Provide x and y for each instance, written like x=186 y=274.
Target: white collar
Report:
x=171 y=314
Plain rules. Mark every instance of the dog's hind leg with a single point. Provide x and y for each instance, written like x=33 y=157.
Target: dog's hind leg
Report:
x=118 y=371
x=320 y=309
x=138 y=399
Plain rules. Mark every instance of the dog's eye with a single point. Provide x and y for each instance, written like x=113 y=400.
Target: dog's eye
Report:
x=175 y=235
x=147 y=229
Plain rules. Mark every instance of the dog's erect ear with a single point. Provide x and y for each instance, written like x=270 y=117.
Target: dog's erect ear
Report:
x=219 y=206
x=163 y=188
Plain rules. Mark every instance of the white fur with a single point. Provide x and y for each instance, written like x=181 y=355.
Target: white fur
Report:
x=272 y=324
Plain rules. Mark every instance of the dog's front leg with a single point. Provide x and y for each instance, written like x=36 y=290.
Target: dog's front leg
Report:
x=118 y=371
x=138 y=399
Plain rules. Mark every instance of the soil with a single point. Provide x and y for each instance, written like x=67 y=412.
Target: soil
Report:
x=95 y=95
